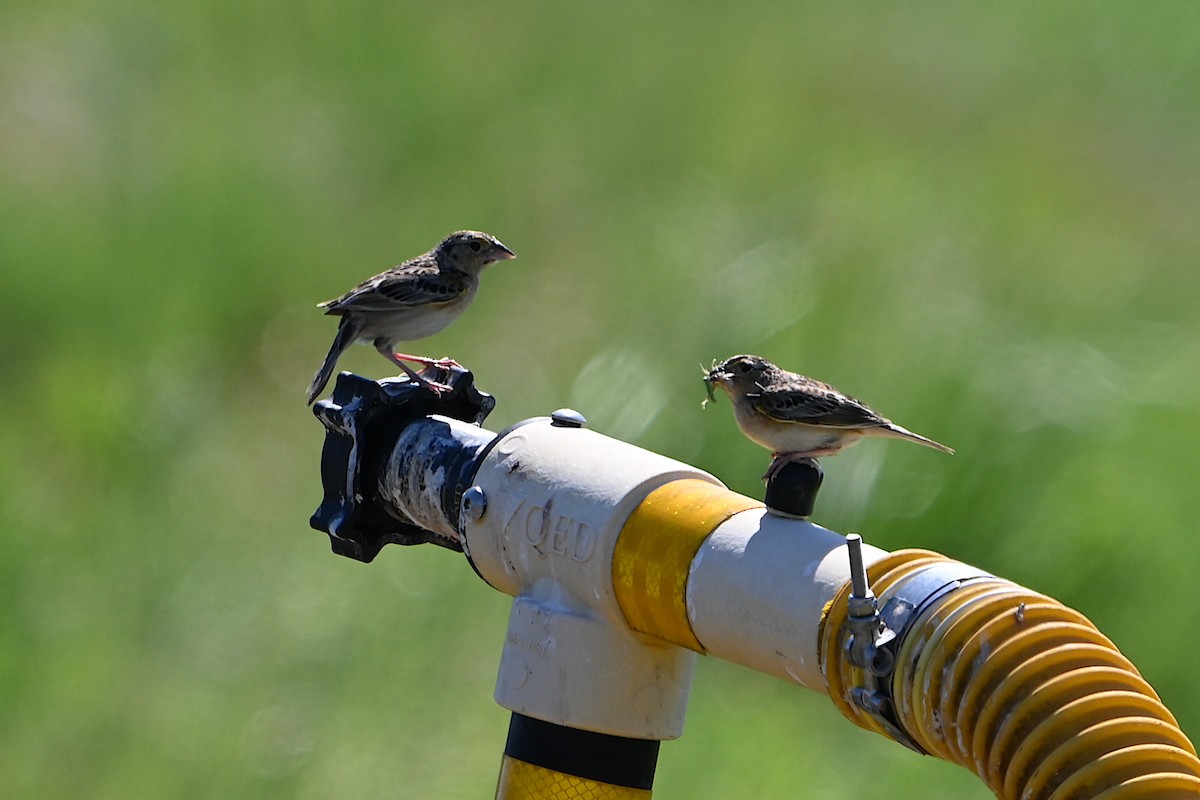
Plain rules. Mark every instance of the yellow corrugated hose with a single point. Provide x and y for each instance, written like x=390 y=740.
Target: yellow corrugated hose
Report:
x=1021 y=690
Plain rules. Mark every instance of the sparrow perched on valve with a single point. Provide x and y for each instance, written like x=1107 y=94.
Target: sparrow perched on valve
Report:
x=411 y=301
x=794 y=416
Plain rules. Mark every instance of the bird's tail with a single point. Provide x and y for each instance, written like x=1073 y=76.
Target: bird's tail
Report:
x=346 y=334
x=894 y=430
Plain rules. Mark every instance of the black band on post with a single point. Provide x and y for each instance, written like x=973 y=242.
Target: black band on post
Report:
x=595 y=756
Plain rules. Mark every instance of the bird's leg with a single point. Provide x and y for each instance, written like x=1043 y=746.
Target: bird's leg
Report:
x=777 y=463
x=781 y=460
x=399 y=358
x=433 y=386
x=441 y=363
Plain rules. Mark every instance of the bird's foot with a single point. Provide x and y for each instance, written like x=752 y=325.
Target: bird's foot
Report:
x=418 y=378
x=400 y=360
x=792 y=484
x=781 y=460
x=437 y=388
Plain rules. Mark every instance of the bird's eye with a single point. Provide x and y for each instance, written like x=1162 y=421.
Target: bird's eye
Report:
x=743 y=367
x=475 y=245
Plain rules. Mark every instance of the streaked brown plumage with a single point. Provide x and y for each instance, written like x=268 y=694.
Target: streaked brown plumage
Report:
x=410 y=301
x=797 y=417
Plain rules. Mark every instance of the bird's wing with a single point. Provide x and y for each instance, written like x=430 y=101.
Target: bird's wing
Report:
x=814 y=403
x=404 y=287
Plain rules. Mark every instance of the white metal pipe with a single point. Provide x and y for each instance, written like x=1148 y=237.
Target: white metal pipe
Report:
x=758 y=588
x=574 y=668
x=556 y=499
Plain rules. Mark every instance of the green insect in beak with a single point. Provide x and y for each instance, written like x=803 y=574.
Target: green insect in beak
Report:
x=708 y=385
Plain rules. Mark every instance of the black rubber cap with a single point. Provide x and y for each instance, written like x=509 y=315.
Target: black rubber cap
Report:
x=793 y=490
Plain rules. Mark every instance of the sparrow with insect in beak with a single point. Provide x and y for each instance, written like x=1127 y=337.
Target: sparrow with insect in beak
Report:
x=411 y=301
x=796 y=417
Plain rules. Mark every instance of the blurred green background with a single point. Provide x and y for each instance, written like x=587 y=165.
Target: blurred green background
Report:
x=980 y=218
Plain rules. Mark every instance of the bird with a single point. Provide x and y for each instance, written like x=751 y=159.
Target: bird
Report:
x=410 y=301
x=796 y=417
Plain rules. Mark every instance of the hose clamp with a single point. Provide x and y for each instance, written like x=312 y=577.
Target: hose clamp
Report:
x=875 y=630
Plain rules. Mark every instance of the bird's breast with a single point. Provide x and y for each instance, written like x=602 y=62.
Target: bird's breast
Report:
x=791 y=437
x=414 y=322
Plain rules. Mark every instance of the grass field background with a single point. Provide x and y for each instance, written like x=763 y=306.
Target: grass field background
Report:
x=981 y=219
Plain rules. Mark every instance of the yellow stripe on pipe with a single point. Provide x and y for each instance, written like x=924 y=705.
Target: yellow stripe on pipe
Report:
x=520 y=780
x=654 y=553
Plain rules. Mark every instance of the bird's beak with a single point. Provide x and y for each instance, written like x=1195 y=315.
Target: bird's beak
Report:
x=501 y=253
x=718 y=376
